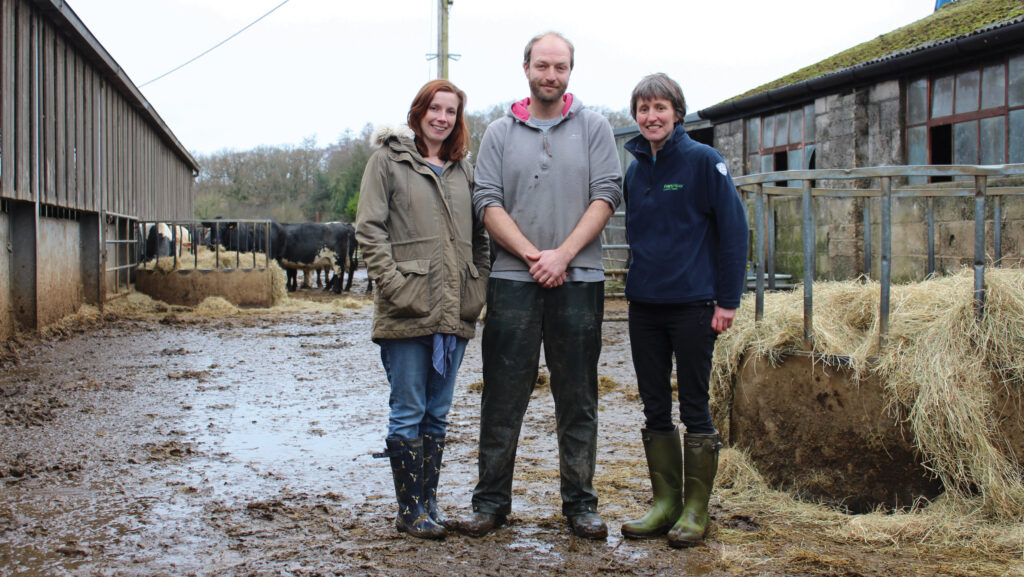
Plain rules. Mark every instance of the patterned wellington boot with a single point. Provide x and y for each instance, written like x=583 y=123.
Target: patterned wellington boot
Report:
x=407 y=469
x=433 y=451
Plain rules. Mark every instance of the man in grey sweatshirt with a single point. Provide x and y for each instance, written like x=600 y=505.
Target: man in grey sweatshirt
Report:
x=547 y=180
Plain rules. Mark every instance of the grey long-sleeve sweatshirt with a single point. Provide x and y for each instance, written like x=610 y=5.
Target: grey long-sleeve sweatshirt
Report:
x=546 y=181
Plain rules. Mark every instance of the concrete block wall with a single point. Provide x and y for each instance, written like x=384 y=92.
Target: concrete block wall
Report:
x=60 y=284
x=48 y=267
x=6 y=313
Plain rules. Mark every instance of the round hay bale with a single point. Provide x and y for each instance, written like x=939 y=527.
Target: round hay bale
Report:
x=814 y=431
x=926 y=401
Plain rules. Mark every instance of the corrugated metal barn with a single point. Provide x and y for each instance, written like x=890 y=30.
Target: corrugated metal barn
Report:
x=83 y=158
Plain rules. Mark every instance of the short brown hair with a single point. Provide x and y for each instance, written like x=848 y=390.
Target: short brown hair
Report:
x=529 y=47
x=659 y=85
x=455 y=147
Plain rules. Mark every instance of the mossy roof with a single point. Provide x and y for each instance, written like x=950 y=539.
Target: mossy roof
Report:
x=960 y=18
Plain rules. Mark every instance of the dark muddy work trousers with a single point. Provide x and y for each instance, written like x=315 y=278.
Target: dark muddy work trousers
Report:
x=656 y=333
x=567 y=319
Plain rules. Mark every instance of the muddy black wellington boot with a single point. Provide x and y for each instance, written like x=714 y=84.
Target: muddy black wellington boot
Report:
x=407 y=469
x=433 y=451
x=665 y=465
x=700 y=465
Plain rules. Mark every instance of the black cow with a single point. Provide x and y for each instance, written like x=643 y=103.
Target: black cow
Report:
x=246 y=236
x=312 y=245
x=334 y=283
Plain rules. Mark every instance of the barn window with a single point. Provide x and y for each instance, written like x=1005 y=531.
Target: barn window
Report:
x=809 y=123
x=917 y=101
x=993 y=140
x=1016 y=76
x=993 y=87
x=970 y=116
x=942 y=97
x=780 y=141
x=1016 y=136
x=967 y=86
x=753 y=136
x=796 y=125
x=768 y=134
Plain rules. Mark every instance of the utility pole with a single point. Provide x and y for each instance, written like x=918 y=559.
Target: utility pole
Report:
x=442 y=37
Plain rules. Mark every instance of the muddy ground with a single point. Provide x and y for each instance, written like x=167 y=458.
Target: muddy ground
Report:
x=175 y=444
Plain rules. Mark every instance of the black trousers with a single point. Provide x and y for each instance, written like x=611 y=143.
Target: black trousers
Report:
x=567 y=319
x=656 y=333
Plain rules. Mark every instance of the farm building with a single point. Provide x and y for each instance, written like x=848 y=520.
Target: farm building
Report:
x=945 y=90
x=83 y=158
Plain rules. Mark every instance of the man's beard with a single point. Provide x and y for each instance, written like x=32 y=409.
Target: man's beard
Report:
x=536 y=89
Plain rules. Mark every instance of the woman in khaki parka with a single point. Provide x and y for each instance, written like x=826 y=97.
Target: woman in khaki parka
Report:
x=428 y=254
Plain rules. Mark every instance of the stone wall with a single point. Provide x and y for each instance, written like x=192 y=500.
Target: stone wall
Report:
x=730 y=141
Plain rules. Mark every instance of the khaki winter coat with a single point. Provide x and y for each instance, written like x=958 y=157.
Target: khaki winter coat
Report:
x=420 y=241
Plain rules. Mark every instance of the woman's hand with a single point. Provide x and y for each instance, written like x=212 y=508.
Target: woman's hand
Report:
x=722 y=319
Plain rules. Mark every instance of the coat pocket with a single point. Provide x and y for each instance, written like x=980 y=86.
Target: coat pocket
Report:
x=474 y=292
x=412 y=298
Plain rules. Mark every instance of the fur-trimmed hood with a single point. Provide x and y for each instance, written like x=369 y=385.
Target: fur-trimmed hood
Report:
x=385 y=132
x=382 y=134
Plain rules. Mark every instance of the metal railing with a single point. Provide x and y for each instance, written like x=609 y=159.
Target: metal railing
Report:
x=763 y=189
x=120 y=253
x=244 y=236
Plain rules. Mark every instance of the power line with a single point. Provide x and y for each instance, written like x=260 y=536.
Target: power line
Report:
x=216 y=46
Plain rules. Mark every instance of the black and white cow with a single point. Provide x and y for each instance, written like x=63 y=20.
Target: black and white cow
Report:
x=312 y=245
x=162 y=239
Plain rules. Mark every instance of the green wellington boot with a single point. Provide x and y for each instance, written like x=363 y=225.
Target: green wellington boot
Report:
x=433 y=451
x=665 y=465
x=407 y=469
x=700 y=465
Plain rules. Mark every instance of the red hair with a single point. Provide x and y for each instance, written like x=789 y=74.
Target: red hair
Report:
x=456 y=146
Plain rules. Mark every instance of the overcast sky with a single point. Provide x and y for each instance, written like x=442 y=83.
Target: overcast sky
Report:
x=316 y=68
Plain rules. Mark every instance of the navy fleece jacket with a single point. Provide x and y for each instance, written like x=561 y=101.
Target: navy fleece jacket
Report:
x=686 y=225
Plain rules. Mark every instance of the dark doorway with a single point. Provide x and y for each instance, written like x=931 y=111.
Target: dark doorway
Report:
x=781 y=159
x=940 y=140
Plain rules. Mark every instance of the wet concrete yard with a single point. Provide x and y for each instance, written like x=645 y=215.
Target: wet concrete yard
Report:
x=173 y=444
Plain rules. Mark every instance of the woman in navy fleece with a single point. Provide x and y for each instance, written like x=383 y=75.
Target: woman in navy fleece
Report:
x=687 y=232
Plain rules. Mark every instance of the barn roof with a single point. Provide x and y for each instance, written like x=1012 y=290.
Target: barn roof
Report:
x=961 y=29
x=65 y=19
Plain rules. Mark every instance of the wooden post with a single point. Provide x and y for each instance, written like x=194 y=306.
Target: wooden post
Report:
x=442 y=37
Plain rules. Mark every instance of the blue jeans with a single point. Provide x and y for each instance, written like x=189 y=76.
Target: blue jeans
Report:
x=420 y=397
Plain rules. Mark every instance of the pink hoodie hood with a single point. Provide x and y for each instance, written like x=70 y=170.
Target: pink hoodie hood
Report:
x=520 y=110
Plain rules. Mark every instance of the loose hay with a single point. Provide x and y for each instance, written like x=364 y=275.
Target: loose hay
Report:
x=216 y=307
x=937 y=368
x=958 y=527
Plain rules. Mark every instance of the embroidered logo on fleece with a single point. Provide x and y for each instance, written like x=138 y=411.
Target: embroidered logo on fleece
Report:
x=670 y=187
x=721 y=168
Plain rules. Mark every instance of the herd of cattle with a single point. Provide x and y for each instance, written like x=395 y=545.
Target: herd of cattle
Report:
x=311 y=247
